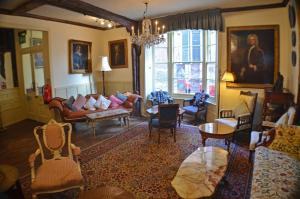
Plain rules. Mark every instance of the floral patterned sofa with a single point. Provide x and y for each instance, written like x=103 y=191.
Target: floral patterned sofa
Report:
x=276 y=172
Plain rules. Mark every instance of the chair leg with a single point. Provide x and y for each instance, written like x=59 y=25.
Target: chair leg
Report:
x=174 y=134
x=250 y=155
x=158 y=136
x=150 y=130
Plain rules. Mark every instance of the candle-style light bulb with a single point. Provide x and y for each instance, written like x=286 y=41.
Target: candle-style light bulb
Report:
x=158 y=29
x=132 y=30
x=163 y=28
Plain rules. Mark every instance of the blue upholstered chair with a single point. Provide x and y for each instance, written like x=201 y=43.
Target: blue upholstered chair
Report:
x=197 y=106
x=160 y=97
x=167 y=119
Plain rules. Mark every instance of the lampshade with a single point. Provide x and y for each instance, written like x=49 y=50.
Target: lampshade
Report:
x=103 y=64
x=228 y=77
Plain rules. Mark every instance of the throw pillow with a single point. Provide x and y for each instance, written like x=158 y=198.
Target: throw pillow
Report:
x=121 y=96
x=287 y=139
x=69 y=102
x=249 y=100
x=102 y=103
x=283 y=119
x=133 y=97
x=90 y=103
x=240 y=109
x=115 y=102
x=128 y=104
x=79 y=102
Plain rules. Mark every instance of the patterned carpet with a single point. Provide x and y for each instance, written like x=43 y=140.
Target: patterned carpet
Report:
x=139 y=164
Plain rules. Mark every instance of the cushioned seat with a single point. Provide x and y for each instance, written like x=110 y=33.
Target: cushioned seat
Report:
x=191 y=109
x=56 y=174
x=232 y=122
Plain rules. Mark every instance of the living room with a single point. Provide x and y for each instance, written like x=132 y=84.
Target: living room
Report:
x=98 y=58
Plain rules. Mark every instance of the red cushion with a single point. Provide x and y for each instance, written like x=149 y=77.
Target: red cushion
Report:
x=128 y=104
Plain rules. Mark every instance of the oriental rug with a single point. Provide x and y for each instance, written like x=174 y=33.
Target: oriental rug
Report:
x=134 y=161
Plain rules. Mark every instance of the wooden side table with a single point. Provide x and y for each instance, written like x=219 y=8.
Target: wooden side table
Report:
x=218 y=131
x=106 y=192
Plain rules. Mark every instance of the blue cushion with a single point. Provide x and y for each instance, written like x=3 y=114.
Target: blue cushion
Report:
x=69 y=102
x=155 y=122
x=191 y=109
x=121 y=96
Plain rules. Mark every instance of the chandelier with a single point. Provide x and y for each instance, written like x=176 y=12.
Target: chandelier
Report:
x=147 y=38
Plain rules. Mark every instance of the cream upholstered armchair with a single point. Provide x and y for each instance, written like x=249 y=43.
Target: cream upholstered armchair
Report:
x=56 y=172
x=286 y=119
x=241 y=118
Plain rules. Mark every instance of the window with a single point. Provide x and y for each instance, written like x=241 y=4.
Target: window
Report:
x=186 y=62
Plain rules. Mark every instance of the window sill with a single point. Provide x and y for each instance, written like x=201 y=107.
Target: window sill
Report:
x=211 y=101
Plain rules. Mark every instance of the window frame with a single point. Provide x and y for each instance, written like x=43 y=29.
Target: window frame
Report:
x=204 y=62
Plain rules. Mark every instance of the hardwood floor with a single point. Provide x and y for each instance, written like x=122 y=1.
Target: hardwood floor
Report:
x=18 y=141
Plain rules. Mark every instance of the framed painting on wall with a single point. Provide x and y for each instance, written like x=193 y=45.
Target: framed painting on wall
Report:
x=118 y=54
x=80 y=61
x=253 y=55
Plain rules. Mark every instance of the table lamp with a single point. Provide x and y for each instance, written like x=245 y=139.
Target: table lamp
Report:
x=103 y=67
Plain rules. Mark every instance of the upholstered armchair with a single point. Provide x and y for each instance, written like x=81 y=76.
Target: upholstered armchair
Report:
x=167 y=119
x=56 y=172
x=196 y=106
x=160 y=97
x=241 y=118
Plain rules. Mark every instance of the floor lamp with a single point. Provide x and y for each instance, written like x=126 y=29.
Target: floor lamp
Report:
x=227 y=77
x=104 y=67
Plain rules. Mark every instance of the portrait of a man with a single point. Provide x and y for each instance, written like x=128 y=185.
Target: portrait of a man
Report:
x=118 y=53
x=80 y=56
x=253 y=55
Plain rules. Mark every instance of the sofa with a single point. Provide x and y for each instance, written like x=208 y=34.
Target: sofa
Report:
x=276 y=168
x=65 y=114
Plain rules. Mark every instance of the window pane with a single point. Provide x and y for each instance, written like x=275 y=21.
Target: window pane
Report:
x=211 y=37
x=211 y=71
x=211 y=53
x=211 y=88
x=211 y=79
x=187 y=78
x=196 y=53
x=161 y=55
x=161 y=77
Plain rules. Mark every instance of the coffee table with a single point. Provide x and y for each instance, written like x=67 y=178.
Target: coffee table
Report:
x=153 y=112
x=93 y=118
x=200 y=173
x=218 y=131
x=106 y=192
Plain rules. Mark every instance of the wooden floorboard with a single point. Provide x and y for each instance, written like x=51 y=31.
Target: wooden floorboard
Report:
x=18 y=141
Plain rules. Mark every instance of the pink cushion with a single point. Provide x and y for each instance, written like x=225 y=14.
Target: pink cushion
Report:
x=57 y=174
x=79 y=102
x=115 y=102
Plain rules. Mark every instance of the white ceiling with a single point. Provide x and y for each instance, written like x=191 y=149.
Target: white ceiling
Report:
x=134 y=9
x=60 y=13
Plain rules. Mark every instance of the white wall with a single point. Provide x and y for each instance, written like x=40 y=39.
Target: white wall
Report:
x=59 y=35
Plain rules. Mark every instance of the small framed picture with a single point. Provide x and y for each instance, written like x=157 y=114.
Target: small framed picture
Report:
x=38 y=60
x=118 y=54
x=80 y=61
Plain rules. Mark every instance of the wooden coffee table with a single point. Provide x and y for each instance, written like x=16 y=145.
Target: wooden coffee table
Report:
x=93 y=118
x=106 y=192
x=217 y=131
x=153 y=112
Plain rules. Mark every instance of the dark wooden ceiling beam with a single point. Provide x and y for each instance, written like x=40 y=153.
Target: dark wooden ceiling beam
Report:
x=257 y=7
x=91 y=10
x=30 y=5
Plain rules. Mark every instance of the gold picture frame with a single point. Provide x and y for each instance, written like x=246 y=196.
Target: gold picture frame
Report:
x=253 y=55
x=80 y=58
x=118 y=54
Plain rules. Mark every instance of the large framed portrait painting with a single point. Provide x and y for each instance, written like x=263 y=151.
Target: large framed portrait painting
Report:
x=118 y=53
x=253 y=55
x=80 y=57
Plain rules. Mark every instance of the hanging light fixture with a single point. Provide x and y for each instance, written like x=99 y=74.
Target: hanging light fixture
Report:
x=147 y=38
